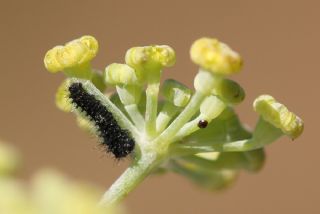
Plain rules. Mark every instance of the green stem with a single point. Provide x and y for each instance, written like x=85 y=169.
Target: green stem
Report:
x=130 y=179
x=164 y=117
x=129 y=96
x=83 y=71
x=193 y=106
x=188 y=128
x=208 y=115
x=135 y=115
x=264 y=134
x=152 y=103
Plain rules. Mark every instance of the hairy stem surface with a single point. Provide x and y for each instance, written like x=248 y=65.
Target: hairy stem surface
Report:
x=130 y=179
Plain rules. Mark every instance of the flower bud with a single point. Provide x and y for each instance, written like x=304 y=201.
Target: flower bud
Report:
x=229 y=91
x=74 y=53
x=204 y=82
x=150 y=57
x=215 y=56
x=176 y=92
x=278 y=115
x=121 y=74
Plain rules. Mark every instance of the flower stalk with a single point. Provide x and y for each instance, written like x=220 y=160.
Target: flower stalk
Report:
x=152 y=92
x=130 y=179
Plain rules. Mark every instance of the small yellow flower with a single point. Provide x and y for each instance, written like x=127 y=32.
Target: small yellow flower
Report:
x=150 y=57
x=278 y=115
x=73 y=54
x=215 y=56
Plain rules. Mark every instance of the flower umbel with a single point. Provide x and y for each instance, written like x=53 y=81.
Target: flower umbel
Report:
x=194 y=133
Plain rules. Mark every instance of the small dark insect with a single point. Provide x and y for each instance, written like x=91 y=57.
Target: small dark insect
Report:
x=202 y=124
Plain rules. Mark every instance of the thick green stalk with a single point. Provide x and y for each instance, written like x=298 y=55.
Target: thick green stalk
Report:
x=130 y=179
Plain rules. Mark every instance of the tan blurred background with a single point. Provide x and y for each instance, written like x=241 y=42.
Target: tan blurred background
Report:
x=279 y=41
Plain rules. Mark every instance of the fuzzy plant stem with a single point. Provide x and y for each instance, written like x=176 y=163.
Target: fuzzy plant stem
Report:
x=130 y=179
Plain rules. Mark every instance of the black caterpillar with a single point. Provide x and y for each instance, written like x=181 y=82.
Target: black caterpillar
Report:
x=118 y=141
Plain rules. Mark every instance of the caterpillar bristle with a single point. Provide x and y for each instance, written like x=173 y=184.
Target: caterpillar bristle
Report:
x=117 y=140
